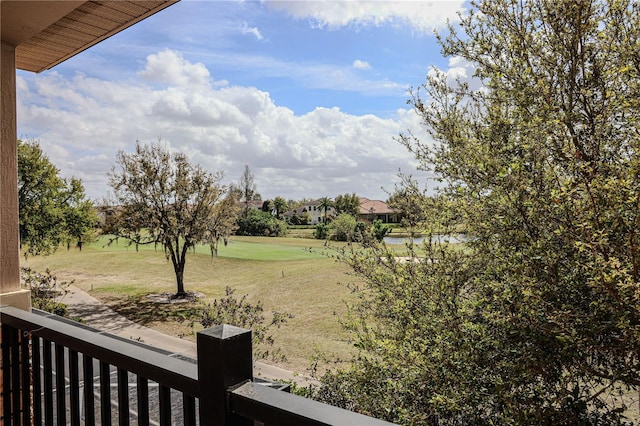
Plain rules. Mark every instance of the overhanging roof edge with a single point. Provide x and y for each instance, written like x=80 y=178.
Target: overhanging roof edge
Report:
x=97 y=40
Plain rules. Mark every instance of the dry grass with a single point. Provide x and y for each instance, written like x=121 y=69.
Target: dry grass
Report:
x=279 y=272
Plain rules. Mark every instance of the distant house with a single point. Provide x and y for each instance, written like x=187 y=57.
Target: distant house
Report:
x=315 y=212
x=106 y=214
x=246 y=206
x=255 y=204
x=371 y=210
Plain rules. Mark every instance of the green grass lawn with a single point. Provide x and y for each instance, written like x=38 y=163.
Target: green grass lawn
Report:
x=239 y=247
x=286 y=274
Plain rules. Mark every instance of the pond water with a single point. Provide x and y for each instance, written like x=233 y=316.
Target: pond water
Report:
x=451 y=238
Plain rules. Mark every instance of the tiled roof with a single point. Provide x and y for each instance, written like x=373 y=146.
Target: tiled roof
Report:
x=368 y=206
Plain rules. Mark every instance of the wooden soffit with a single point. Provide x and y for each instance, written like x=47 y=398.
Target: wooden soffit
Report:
x=46 y=33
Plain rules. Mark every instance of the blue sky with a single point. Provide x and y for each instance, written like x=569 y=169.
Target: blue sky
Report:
x=309 y=94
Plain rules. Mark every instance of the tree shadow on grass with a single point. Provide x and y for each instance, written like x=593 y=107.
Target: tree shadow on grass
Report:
x=145 y=310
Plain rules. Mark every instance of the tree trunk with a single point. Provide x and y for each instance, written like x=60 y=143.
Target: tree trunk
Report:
x=180 y=282
x=178 y=267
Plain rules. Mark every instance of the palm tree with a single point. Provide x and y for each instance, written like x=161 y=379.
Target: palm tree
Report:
x=280 y=205
x=325 y=203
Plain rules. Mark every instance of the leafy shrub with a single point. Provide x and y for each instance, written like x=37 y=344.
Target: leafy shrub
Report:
x=343 y=227
x=321 y=232
x=240 y=313
x=346 y=228
x=303 y=219
x=261 y=223
x=45 y=291
x=379 y=230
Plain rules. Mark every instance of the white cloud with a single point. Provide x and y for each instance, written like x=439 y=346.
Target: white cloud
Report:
x=361 y=65
x=171 y=68
x=82 y=122
x=245 y=29
x=459 y=69
x=423 y=16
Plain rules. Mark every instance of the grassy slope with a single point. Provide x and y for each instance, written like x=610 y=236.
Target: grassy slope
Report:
x=281 y=273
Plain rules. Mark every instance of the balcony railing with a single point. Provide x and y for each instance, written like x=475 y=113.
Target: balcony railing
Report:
x=56 y=371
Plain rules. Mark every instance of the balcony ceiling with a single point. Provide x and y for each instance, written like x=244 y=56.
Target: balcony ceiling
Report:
x=46 y=33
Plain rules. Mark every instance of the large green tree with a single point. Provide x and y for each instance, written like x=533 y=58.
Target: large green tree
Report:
x=347 y=203
x=537 y=320
x=164 y=199
x=52 y=210
x=261 y=223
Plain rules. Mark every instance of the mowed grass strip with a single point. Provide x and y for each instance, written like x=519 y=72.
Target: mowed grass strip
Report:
x=240 y=247
x=286 y=274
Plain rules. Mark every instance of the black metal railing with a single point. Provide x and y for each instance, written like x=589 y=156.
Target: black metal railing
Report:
x=56 y=371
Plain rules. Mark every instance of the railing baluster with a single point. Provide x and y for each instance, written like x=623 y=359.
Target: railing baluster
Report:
x=142 y=392
x=123 y=397
x=10 y=375
x=189 y=409
x=74 y=388
x=89 y=398
x=164 y=397
x=25 y=368
x=105 y=394
x=61 y=406
x=6 y=376
x=48 y=383
x=15 y=377
x=37 y=381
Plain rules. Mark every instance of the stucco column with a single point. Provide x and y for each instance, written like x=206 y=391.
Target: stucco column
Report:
x=10 y=292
